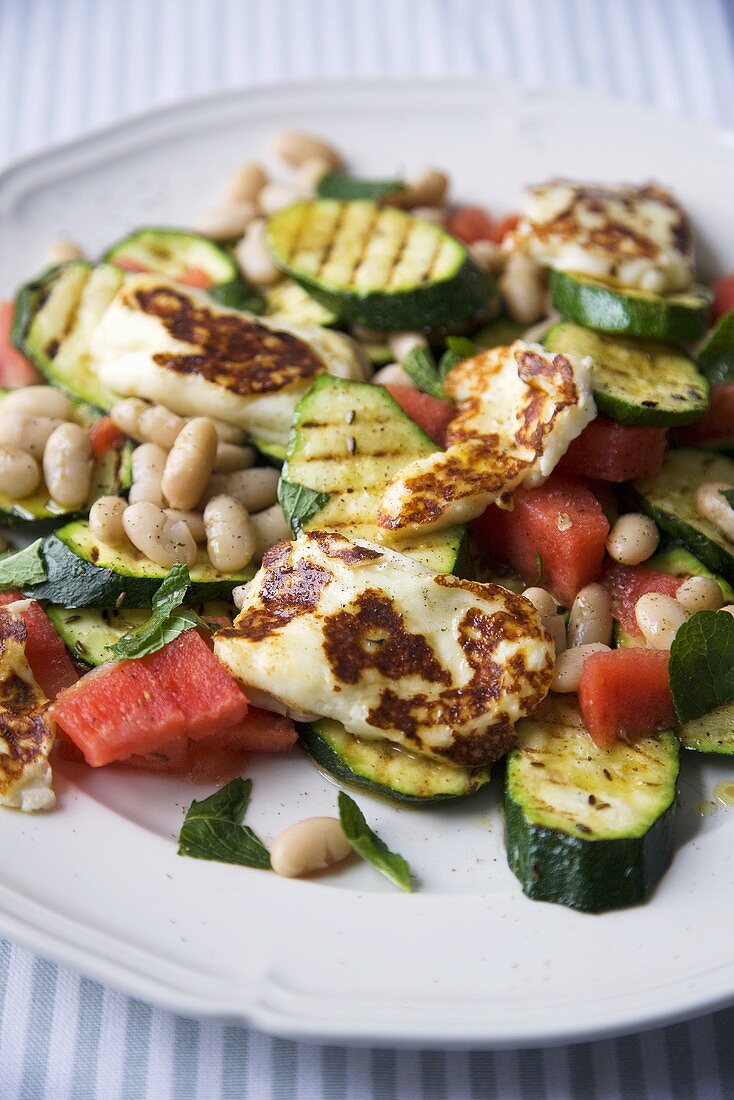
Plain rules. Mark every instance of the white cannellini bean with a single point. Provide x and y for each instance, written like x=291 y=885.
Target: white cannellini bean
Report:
x=428 y=189
x=296 y=147
x=190 y=463
x=570 y=664
x=256 y=489
x=590 y=619
x=369 y=335
x=39 y=401
x=253 y=257
x=227 y=222
x=239 y=595
x=148 y=464
x=728 y=607
x=105 y=520
x=523 y=287
x=276 y=196
x=633 y=539
x=435 y=214
x=29 y=433
x=231 y=457
x=556 y=627
x=488 y=256
x=67 y=465
x=311 y=171
x=659 y=617
x=402 y=343
x=547 y=608
x=193 y=520
x=230 y=539
x=63 y=251
x=392 y=375
x=700 y=594
x=229 y=433
x=715 y=508
x=160 y=539
x=245 y=183
x=270 y=526
x=310 y=845
x=126 y=415
x=159 y=425
x=19 y=473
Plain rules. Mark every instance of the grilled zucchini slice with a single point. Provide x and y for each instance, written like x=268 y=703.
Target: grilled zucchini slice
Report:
x=680 y=317
x=55 y=316
x=348 y=439
x=670 y=500
x=636 y=381
x=715 y=356
x=287 y=301
x=378 y=266
x=587 y=827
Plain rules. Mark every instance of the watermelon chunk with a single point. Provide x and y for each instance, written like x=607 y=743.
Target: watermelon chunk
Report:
x=608 y=451
x=15 y=369
x=625 y=693
x=716 y=426
x=45 y=652
x=561 y=525
x=429 y=413
x=134 y=707
x=626 y=583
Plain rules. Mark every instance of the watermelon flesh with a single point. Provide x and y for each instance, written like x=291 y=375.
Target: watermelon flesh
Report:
x=560 y=526
x=607 y=451
x=429 y=413
x=135 y=707
x=626 y=583
x=716 y=426
x=45 y=652
x=625 y=694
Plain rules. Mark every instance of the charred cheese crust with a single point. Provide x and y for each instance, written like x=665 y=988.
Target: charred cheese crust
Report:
x=628 y=236
x=439 y=665
x=519 y=408
x=25 y=738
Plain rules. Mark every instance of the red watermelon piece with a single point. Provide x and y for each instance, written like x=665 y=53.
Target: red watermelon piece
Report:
x=625 y=693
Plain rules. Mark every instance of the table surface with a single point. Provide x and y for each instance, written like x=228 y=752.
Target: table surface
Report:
x=69 y=65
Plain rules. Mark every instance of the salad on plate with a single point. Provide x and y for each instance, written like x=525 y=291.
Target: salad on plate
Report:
x=434 y=496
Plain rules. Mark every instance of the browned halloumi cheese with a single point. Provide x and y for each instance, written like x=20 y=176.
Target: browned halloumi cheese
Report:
x=636 y=237
x=349 y=630
x=518 y=409
x=25 y=737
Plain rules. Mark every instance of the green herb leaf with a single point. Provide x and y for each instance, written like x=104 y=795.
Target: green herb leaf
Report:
x=368 y=845
x=539 y=567
x=458 y=348
x=166 y=621
x=213 y=829
x=421 y=366
x=23 y=568
x=299 y=503
x=728 y=495
x=702 y=664
x=338 y=185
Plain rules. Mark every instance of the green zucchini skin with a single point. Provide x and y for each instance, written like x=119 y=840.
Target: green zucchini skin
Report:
x=680 y=318
x=429 y=299
x=680 y=562
x=586 y=864
x=715 y=356
x=121 y=577
x=634 y=381
x=88 y=632
x=386 y=770
x=670 y=500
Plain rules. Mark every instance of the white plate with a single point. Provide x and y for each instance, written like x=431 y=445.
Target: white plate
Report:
x=466 y=961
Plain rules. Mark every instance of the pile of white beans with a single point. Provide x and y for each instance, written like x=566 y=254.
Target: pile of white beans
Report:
x=633 y=539
x=40 y=441
x=193 y=482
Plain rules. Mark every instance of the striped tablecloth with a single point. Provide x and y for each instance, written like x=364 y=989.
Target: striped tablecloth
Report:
x=68 y=65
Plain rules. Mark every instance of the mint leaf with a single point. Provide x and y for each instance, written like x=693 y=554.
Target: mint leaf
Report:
x=702 y=664
x=421 y=366
x=213 y=829
x=368 y=845
x=728 y=495
x=166 y=621
x=458 y=348
x=23 y=568
x=338 y=185
x=299 y=503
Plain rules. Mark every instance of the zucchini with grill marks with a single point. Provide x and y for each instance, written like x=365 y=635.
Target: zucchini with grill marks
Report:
x=680 y=317
x=186 y=258
x=287 y=301
x=378 y=266
x=348 y=439
x=636 y=381
x=587 y=827
x=715 y=356
x=385 y=769
x=712 y=733
x=84 y=572
x=55 y=316
x=670 y=500
x=87 y=632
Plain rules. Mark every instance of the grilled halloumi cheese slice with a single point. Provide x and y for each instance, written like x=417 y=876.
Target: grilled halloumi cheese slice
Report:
x=636 y=237
x=349 y=630
x=26 y=739
x=519 y=408
x=173 y=345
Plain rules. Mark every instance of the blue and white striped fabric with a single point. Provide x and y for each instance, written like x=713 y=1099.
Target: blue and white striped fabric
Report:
x=68 y=65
